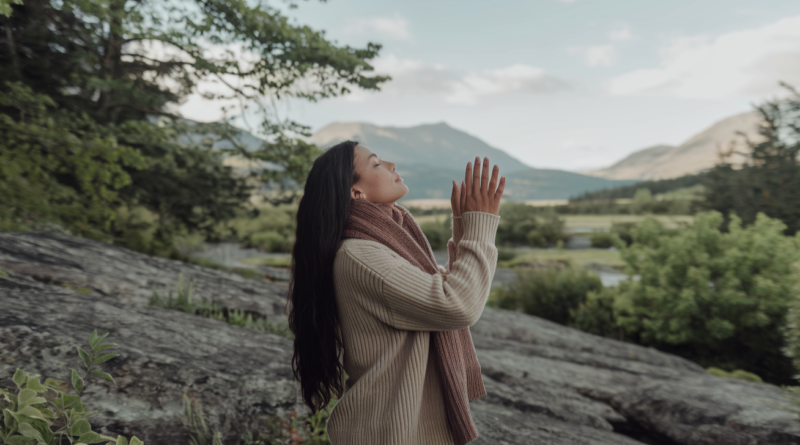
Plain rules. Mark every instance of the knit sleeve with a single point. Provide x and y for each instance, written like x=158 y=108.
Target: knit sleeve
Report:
x=411 y=299
x=452 y=243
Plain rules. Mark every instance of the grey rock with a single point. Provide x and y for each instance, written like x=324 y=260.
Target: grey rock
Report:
x=131 y=278
x=241 y=377
x=546 y=383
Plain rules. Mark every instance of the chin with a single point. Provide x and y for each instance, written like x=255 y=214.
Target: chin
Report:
x=404 y=193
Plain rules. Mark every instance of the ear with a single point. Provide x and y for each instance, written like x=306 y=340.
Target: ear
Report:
x=357 y=194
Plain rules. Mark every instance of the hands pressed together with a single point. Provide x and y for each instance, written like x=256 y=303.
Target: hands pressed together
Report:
x=478 y=193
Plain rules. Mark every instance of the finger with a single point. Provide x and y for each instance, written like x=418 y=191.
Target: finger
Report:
x=455 y=198
x=493 y=181
x=476 y=177
x=463 y=195
x=468 y=175
x=500 y=188
x=485 y=177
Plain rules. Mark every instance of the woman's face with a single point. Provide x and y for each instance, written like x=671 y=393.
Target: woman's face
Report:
x=378 y=182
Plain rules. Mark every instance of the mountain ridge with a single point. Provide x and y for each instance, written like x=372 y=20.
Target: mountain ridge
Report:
x=696 y=154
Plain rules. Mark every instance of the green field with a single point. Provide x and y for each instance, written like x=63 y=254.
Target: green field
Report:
x=596 y=222
x=601 y=222
x=577 y=258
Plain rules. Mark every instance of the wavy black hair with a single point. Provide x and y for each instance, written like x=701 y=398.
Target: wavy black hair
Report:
x=313 y=318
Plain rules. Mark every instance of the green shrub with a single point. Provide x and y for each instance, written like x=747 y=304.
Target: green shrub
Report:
x=596 y=314
x=521 y=223
x=270 y=241
x=602 y=240
x=505 y=255
x=716 y=298
x=623 y=231
x=517 y=220
x=46 y=414
x=548 y=293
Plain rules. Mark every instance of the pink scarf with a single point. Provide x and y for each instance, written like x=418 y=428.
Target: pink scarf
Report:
x=460 y=372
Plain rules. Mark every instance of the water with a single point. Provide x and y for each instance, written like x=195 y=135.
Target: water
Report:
x=231 y=254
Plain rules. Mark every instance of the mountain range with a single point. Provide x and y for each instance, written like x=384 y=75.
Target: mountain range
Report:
x=429 y=156
x=698 y=153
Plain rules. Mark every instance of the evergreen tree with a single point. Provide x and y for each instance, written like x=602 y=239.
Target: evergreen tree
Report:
x=769 y=181
x=122 y=66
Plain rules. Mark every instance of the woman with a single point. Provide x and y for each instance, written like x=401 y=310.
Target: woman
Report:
x=368 y=298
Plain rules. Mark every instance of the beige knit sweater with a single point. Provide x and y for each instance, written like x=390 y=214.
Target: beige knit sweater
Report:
x=387 y=308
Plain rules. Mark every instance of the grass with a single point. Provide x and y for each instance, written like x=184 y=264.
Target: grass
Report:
x=288 y=430
x=577 y=258
x=600 y=222
x=269 y=261
x=183 y=300
x=243 y=271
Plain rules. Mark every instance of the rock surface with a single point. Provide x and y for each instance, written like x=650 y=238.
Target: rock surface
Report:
x=546 y=383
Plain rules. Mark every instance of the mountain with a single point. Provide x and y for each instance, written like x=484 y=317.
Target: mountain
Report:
x=438 y=145
x=693 y=156
x=429 y=156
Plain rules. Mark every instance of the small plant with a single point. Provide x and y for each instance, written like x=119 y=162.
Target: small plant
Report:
x=199 y=432
x=737 y=374
x=45 y=414
x=291 y=430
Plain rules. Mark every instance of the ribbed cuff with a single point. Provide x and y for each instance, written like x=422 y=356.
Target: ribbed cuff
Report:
x=480 y=226
x=458 y=228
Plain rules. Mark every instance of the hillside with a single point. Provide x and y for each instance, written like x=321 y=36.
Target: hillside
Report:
x=545 y=383
x=698 y=153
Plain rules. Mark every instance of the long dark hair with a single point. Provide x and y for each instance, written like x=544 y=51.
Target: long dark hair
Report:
x=321 y=217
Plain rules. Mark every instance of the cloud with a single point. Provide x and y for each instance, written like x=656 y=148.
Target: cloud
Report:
x=514 y=78
x=742 y=63
x=416 y=78
x=395 y=28
x=621 y=34
x=596 y=55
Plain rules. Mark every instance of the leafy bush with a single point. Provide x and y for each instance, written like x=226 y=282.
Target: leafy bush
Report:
x=262 y=227
x=548 y=293
x=45 y=414
x=623 y=231
x=269 y=241
x=596 y=314
x=602 y=240
x=517 y=220
x=717 y=298
x=437 y=232
x=505 y=255
x=521 y=223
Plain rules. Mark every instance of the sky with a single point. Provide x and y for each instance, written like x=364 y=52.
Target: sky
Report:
x=566 y=84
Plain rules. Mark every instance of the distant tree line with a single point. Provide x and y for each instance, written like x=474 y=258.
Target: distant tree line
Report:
x=629 y=191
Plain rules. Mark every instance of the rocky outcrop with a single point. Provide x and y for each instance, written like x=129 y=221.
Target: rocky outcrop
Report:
x=546 y=383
